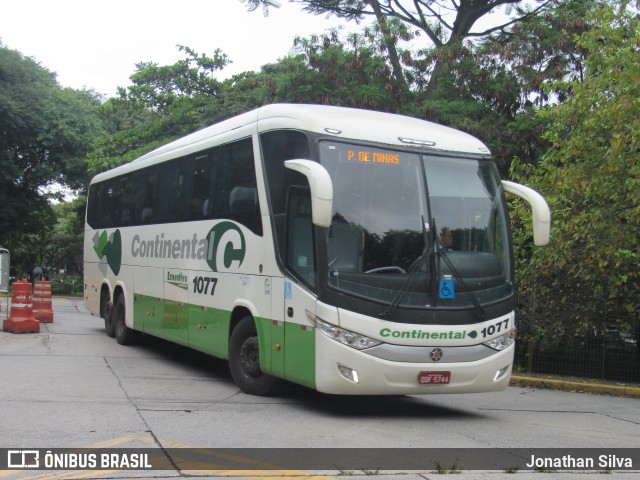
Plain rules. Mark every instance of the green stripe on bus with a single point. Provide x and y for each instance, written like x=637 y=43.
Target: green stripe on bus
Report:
x=203 y=328
x=300 y=355
x=207 y=329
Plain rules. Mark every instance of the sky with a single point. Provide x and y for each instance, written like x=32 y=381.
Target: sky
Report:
x=95 y=44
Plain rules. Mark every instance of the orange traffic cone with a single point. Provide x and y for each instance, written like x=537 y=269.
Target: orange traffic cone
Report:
x=21 y=319
x=42 y=308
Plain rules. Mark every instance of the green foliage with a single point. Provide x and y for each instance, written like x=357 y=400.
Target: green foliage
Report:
x=58 y=244
x=589 y=277
x=66 y=286
x=159 y=87
x=45 y=131
x=348 y=73
x=164 y=103
x=168 y=102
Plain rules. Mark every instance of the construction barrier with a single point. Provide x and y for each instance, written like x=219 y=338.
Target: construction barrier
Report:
x=21 y=319
x=42 y=308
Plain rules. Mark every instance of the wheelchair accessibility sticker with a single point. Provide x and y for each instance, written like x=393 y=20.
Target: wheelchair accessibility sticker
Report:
x=447 y=289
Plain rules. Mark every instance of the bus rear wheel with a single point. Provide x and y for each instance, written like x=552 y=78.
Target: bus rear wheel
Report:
x=244 y=360
x=106 y=309
x=124 y=335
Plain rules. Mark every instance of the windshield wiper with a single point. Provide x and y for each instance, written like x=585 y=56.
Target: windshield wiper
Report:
x=413 y=271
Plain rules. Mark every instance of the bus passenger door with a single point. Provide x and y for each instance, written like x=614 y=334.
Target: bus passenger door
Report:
x=299 y=300
x=273 y=329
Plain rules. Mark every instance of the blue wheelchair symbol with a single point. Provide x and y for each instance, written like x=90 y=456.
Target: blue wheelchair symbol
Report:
x=447 y=289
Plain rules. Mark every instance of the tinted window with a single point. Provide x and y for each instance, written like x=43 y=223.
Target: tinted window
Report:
x=145 y=185
x=213 y=184
x=278 y=146
x=170 y=192
x=236 y=189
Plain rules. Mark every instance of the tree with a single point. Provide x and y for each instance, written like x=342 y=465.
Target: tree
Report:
x=167 y=102
x=589 y=278
x=58 y=245
x=506 y=74
x=164 y=103
x=45 y=130
x=348 y=72
x=159 y=87
x=445 y=23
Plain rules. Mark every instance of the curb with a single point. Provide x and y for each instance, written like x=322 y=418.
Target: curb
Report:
x=618 y=390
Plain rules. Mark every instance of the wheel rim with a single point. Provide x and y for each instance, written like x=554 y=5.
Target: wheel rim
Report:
x=250 y=358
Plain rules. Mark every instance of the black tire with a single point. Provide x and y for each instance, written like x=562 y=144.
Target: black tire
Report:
x=244 y=360
x=124 y=335
x=106 y=309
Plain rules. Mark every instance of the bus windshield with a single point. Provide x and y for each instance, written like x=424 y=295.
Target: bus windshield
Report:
x=404 y=222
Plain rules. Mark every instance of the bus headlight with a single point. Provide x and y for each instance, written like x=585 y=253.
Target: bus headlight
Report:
x=502 y=342
x=346 y=337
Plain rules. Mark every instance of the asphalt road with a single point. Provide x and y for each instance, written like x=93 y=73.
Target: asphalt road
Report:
x=71 y=386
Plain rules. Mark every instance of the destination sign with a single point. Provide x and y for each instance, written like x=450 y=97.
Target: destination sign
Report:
x=373 y=156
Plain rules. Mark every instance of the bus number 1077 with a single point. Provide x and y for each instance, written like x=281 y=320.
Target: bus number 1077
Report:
x=204 y=285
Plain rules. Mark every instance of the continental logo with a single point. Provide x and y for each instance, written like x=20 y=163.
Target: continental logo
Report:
x=109 y=247
x=427 y=335
x=223 y=248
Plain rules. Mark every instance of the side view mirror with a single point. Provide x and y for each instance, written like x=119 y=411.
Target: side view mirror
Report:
x=539 y=210
x=321 y=189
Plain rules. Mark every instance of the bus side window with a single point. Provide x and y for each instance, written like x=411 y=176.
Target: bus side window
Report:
x=198 y=172
x=277 y=147
x=93 y=205
x=209 y=194
x=170 y=192
x=300 y=256
x=145 y=180
x=126 y=187
x=237 y=194
x=109 y=204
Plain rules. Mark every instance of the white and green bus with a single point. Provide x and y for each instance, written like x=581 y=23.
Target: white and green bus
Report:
x=351 y=251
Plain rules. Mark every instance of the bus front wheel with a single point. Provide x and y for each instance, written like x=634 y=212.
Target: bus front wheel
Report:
x=244 y=360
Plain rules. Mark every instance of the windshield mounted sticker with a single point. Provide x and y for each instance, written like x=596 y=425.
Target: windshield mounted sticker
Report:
x=447 y=289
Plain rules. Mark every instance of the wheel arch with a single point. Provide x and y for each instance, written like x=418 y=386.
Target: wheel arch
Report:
x=237 y=314
x=243 y=309
x=106 y=299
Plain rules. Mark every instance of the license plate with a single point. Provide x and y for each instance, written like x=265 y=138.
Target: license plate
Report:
x=434 y=378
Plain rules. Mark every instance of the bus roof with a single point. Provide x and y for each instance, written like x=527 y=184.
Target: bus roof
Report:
x=339 y=122
x=366 y=125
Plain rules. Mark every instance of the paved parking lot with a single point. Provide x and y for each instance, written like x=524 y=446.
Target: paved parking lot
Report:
x=71 y=386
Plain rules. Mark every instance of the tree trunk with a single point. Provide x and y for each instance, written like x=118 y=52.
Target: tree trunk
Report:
x=390 y=45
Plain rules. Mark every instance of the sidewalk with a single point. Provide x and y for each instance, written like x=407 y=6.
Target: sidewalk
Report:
x=586 y=385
